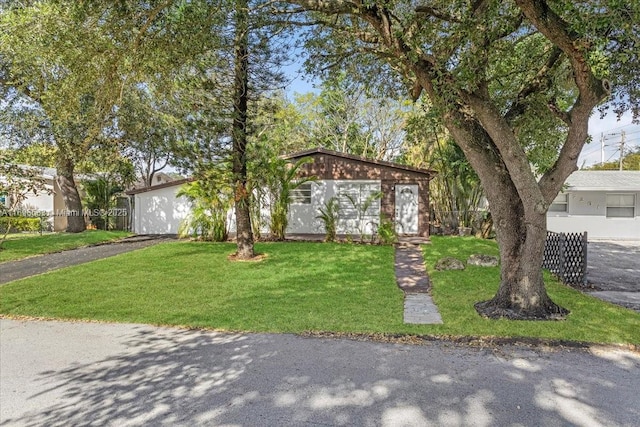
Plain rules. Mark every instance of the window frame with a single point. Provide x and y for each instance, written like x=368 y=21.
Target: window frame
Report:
x=620 y=205
x=302 y=194
x=557 y=202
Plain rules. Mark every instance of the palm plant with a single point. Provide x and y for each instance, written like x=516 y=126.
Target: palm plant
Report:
x=100 y=197
x=208 y=217
x=362 y=208
x=329 y=214
x=282 y=180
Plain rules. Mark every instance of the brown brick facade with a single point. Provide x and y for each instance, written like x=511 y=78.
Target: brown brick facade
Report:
x=330 y=165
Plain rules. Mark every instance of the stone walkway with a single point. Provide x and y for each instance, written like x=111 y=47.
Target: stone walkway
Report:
x=412 y=278
x=14 y=270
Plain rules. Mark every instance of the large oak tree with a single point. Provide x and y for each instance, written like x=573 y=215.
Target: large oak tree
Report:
x=499 y=74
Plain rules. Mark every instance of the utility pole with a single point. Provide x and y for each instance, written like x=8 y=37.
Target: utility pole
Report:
x=601 y=148
x=622 y=135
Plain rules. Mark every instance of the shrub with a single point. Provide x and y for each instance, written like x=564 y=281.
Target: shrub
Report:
x=329 y=215
x=387 y=231
x=18 y=224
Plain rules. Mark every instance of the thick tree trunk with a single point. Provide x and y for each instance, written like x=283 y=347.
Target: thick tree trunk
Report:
x=70 y=195
x=520 y=229
x=522 y=294
x=244 y=235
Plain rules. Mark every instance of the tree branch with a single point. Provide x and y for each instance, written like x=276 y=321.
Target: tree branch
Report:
x=540 y=81
x=591 y=90
x=430 y=11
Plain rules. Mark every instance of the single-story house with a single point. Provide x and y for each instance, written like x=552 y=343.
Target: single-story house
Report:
x=404 y=190
x=352 y=180
x=605 y=204
x=46 y=203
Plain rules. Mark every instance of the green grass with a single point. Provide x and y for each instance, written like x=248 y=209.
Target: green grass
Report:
x=455 y=292
x=24 y=245
x=298 y=287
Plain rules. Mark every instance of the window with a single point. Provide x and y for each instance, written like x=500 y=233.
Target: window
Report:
x=621 y=205
x=560 y=203
x=302 y=194
x=354 y=197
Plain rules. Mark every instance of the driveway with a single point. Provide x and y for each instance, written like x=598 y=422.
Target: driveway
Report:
x=613 y=271
x=14 y=270
x=65 y=374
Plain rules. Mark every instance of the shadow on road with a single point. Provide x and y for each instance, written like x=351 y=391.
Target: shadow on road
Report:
x=177 y=377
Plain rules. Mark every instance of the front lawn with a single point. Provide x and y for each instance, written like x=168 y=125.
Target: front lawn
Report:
x=24 y=245
x=455 y=292
x=298 y=287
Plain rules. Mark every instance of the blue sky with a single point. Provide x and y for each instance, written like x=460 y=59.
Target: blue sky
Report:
x=612 y=129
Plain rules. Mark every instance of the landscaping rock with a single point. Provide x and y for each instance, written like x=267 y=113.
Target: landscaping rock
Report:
x=483 y=260
x=449 y=263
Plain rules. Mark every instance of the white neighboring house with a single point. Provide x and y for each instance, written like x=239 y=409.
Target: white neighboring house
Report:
x=44 y=202
x=605 y=204
x=158 y=209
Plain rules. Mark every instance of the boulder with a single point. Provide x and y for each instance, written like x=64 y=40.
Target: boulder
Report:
x=449 y=263
x=483 y=260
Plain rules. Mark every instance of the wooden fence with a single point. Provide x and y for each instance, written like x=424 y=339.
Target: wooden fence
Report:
x=565 y=255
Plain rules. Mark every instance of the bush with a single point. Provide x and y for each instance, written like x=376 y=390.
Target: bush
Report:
x=329 y=215
x=387 y=231
x=18 y=224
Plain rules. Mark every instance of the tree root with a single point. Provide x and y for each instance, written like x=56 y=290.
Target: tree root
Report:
x=493 y=309
x=255 y=258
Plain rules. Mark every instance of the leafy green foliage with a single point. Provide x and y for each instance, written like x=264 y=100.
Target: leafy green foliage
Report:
x=362 y=207
x=36 y=154
x=456 y=191
x=329 y=214
x=19 y=224
x=282 y=179
x=100 y=198
x=16 y=184
x=210 y=205
x=387 y=233
x=630 y=162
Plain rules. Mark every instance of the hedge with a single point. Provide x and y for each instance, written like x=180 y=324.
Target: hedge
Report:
x=19 y=223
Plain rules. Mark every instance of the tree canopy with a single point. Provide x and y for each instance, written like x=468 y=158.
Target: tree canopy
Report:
x=513 y=82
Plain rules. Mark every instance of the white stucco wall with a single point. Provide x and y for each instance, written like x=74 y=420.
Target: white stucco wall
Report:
x=39 y=202
x=586 y=211
x=302 y=217
x=159 y=211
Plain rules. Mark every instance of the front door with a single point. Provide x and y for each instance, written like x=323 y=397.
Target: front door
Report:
x=407 y=209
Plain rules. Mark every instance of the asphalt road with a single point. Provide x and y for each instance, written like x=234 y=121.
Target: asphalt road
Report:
x=65 y=374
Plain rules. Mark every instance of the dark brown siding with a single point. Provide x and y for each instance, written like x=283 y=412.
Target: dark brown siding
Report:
x=329 y=167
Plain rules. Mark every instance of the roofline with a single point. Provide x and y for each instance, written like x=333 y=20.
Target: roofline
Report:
x=610 y=189
x=321 y=150
x=159 y=186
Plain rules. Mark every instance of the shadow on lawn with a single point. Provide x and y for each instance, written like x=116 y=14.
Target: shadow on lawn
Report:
x=172 y=377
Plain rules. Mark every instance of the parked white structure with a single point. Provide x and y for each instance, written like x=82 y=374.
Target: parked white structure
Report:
x=605 y=204
x=158 y=209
